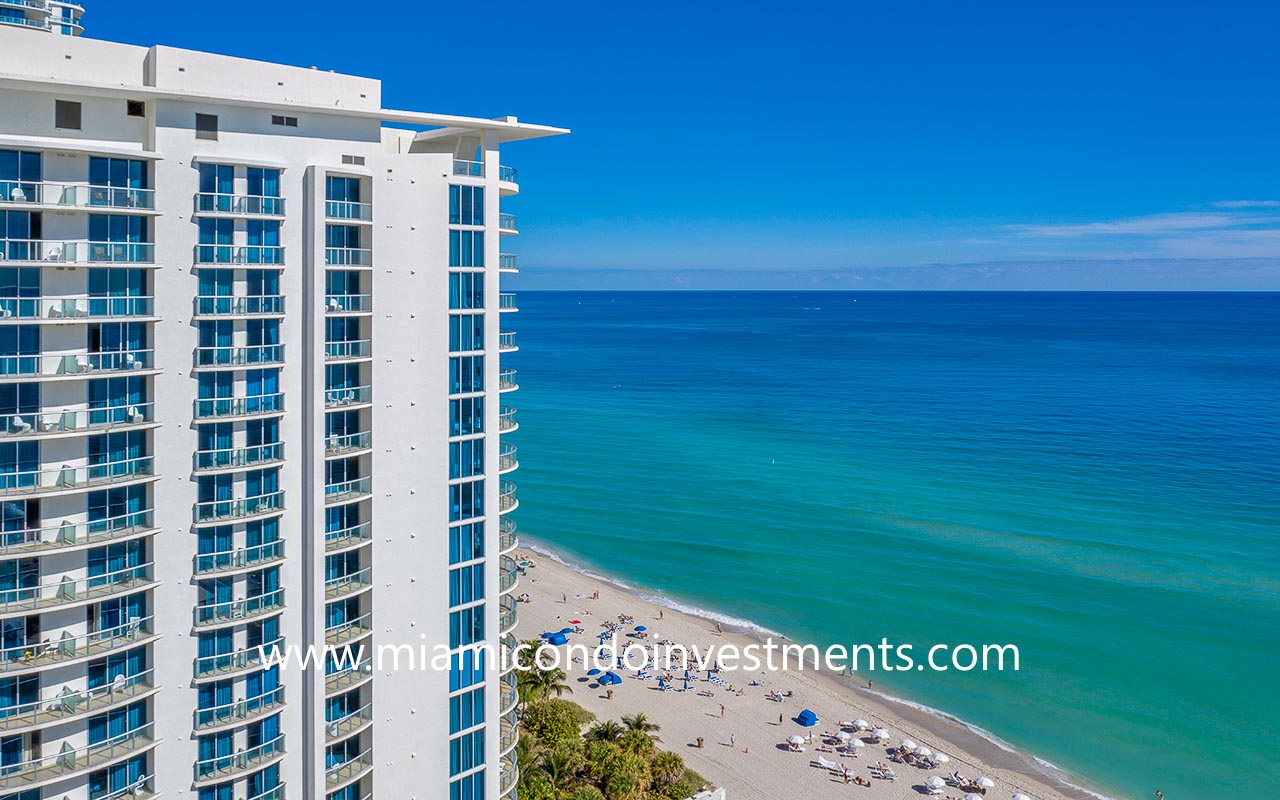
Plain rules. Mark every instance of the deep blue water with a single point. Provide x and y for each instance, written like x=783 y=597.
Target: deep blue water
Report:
x=1093 y=477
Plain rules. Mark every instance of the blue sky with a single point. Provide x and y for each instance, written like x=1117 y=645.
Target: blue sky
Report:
x=1090 y=145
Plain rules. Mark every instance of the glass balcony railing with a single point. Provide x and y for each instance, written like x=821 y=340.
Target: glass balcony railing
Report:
x=77 y=252
x=339 y=351
x=346 y=584
x=507 y=222
x=225 y=663
x=250 y=355
x=507 y=538
x=64 y=763
x=348 y=303
x=249 y=205
x=65 y=590
x=507 y=457
x=266 y=305
x=507 y=302
x=347 y=677
x=507 y=262
x=221 y=510
x=468 y=169
x=82 y=307
x=239 y=457
x=33 y=655
x=348 y=490
x=344 y=725
x=351 y=629
x=507 y=380
x=243 y=558
x=351 y=396
x=345 y=771
x=239 y=255
x=74 y=195
x=336 y=445
x=348 y=256
x=239 y=711
x=219 y=407
x=345 y=209
x=39 y=5
x=84 y=364
x=221 y=767
x=86 y=420
x=507 y=613
x=508 y=174
x=507 y=497
x=507 y=341
x=240 y=610
x=507 y=419
x=68 y=534
x=87 y=476
x=348 y=537
x=72 y=703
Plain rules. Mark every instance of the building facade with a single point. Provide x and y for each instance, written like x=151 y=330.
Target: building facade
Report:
x=250 y=395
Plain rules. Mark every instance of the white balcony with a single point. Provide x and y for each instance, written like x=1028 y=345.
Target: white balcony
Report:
x=348 y=491
x=69 y=704
x=351 y=629
x=77 y=252
x=218 y=511
x=344 y=585
x=65 y=479
x=239 y=357
x=221 y=768
x=238 y=712
x=66 y=591
x=68 y=535
x=340 y=304
x=244 y=558
x=352 y=396
x=227 y=306
x=235 y=205
x=69 y=648
x=224 y=665
x=246 y=610
x=348 y=538
x=70 y=762
x=65 y=196
x=76 y=309
x=78 y=365
x=247 y=256
x=234 y=407
x=348 y=351
x=86 y=420
x=248 y=457
x=349 y=444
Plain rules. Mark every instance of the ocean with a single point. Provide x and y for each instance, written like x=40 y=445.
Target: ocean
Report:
x=1094 y=477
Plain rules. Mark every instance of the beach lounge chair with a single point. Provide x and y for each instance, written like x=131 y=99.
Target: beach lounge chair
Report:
x=825 y=764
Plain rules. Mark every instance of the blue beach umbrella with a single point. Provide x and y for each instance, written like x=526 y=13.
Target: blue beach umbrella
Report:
x=547 y=634
x=686 y=686
x=593 y=672
x=566 y=630
x=641 y=629
x=557 y=639
x=807 y=718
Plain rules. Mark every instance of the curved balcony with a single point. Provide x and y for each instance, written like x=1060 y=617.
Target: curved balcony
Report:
x=348 y=211
x=343 y=398
x=337 y=305
x=83 y=421
x=65 y=479
x=344 y=585
x=75 y=309
x=68 y=704
x=349 y=444
x=348 y=538
x=348 y=772
x=68 y=591
x=277 y=793
x=507 y=342
x=63 y=196
x=69 y=762
x=80 y=251
x=508 y=181
x=509 y=732
x=238 y=611
x=507 y=776
x=507 y=224
x=507 y=420
x=238 y=712
x=344 y=726
x=508 y=613
x=209 y=204
x=225 y=408
x=243 y=508
x=236 y=560
x=468 y=169
x=348 y=677
x=507 y=380
x=348 y=351
x=510 y=696
x=506 y=649
x=507 y=302
x=69 y=536
x=231 y=306
x=225 y=665
x=507 y=263
x=239 y=255
x=507 y=538
x=25 y=22
x=222 y=767
x=248 y=457
x=77 y=365
x=507 y=461
x=348 y=491
x=507 y=501
x=351 y=629
x=348 y=257
x=69 y=648
x=508 y=574
x=238 y=357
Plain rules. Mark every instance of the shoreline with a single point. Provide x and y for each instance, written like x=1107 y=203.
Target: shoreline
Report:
x=970 y=746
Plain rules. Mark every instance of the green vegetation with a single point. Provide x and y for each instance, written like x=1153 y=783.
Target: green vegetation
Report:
x=611 y=761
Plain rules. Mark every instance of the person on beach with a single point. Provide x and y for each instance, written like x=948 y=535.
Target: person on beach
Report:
x=722 y=711
x=719 y=630
x=564 y=598
x=733 y=740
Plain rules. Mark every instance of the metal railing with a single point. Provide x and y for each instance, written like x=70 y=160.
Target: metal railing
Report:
x=507 y=262
x=337 y=445
x=507 y=419
x=507 y=302
x=506 y=222
x=507 y=340
x=78 y=251
x=76 y=363
x=223 y=663
x=507 y=617
x=241 y=558
x=346 y=584
x=507 y=538
x=468 y=169
x=345 y=771
x=238 y=610
x=508 y=174
x=80 y=477
x=29 y=23
x=32 y=654
x=217 y=407
x=238 y=710
x=239 y=457
x=81 y=307
x=240 y=255
x=71 y=590
x=218 y=510
x=344 y=725
x=507 y=380
x=351 y=629
x=207 y=202
x=348 y=256
x=351 y=396
x=340 y=539
x=508 y=574
x=221 y=766
x=69 y=761
x=239 y=356
x=348 y=676
x=347 y=490
x=87 y=419
x=507 y=457
x=350 y=303
x=207 y=305
x=69 y=703
x=336 y=351
x=73 y=195
x=68 y=534
x=346 y=209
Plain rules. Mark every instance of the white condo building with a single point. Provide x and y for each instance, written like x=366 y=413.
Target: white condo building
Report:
x=250 y=393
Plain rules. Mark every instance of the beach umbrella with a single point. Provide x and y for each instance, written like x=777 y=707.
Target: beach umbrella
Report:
x=686 y=686
x=844 y=736
x=547 y=634
x=941 y=758
x=923 y=751
x=880 y=733
x=1020 y=796
x=593 y=672
x=858 y=743
x=860 y=724
x=795 y=739
x=807 y=718
x=641 y=629
x=557 y=639
x=972 y=796
x=934 y=782
x=907 y=744
x=985 y=783
x=566 y=630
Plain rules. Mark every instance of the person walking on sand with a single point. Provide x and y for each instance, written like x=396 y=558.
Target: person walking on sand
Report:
x=722 y=711
x=659 y=613
x=779 y=719
x=564 y=598
x=719 y=630
x=733 y=740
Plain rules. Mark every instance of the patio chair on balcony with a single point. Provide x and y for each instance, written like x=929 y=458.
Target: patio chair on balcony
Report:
x=20 y=425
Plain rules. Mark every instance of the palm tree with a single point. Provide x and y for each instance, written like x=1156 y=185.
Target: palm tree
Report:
x=637 y=742
x=551 y=680
x=561 y=766
x=526 y=754
x=639 y=722
x=606 y=731
x=524 y=657
x=667 y=768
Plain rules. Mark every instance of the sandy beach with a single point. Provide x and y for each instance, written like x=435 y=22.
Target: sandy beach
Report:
x=744 y=744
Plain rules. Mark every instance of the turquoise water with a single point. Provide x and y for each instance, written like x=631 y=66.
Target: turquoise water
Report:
x=1093 y=477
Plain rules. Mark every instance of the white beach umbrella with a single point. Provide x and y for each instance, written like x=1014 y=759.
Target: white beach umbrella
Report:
x=844 y=736
x=972 y=796
x=941 y=758
x=923 y=751
x=985 y=783
x=907 y=744
x=880 y=733
x=1020 y=796
x=934 y=782
x=795 y=739
x=857 y=743
x=860 y=724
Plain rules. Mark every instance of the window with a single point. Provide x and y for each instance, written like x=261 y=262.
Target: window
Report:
x=66 y=115
x=466 y=585
x=207 y=126
x=135 y=108
x=357 y=160
x=466 y=248
x=466 y=710
x=466 y=542
x=466 y=205
x=288 y=122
